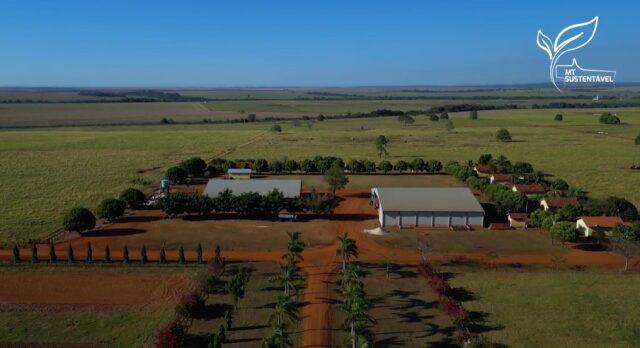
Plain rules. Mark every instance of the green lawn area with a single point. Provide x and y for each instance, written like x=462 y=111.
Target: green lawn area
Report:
x=405 y=310
x=131 y=328
x=552 y=308
x=45 y=171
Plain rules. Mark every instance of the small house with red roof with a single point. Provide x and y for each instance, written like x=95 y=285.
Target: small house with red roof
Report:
x=587 y=225
x=553 y=203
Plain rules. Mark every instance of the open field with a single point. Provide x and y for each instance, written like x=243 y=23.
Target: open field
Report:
x=100 y=307
x=45 y=171
x=552 y=308
x=498 y=242
x=406 y=311
x=149 y=228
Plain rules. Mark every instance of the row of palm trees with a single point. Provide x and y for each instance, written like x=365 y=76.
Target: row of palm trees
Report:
x=355 y=304
x=286 y=309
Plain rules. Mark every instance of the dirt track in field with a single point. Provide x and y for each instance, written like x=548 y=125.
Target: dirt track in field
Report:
x=92 y=287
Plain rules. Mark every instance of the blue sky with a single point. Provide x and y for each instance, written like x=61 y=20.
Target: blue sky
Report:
x=302 y=43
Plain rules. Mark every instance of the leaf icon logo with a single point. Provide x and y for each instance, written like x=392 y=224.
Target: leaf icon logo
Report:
x=569 y=39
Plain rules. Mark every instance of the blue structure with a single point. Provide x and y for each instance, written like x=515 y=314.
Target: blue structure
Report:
x=164 y=184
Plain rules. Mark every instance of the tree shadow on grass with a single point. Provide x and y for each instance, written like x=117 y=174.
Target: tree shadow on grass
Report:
x=112 y=232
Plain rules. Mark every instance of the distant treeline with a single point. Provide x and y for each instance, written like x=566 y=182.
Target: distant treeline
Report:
x=151 y=95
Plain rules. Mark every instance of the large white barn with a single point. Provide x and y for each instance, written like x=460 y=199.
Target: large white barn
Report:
x=427 y=207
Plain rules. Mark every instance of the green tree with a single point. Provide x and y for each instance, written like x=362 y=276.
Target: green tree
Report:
x=125 y=254
x=194 y=166
x=290 y=165
x=285 y=311
x=227 y=320
x=295 y=245
x=111 y=209
x=434 y=117
x=308 y=166
x=444 y=116
x=347 y=248
x=107 y=254
x=449 y=126
x=564 y=231
x=381 y=145
x=558 y=117
x=16 y=253
x=276 y=128
x=78 y=219
x=133 y=197
x=320 y=117
x=406 y=120
x=52 y=252
x=503 y=135
x=70 y=257
x=385 y=166
x=473 y=114
x=369 y=166
x=260 y=165
x=143 y=255
x=638 y=140
x=251 y=118
x=276 y=166
x=624 y=241
x=199 y=253
x=176 y=174
x=289 y=276
x=34 y=253
x=163 y=255
x=335 y=178
x=89 y=253
x=181 y=259
x=401 y=166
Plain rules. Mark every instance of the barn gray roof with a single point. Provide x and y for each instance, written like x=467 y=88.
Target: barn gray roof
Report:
x=239 y=170
x=289 y=188
x=440 y=199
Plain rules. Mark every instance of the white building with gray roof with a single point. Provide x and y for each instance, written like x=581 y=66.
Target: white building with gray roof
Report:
x=427 y=207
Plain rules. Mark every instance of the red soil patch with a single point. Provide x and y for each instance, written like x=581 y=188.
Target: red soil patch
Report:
x=91 y=288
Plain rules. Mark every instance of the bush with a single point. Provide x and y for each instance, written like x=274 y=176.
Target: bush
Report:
x=78 y=219
x=558 y=117
x=133 y=197
x=191 y=305
x=276 y=128
x=638 y=140
x=111 y=209
x=176 y=174
x=444 y=116
x=503 y=135
x=194 y=166
x=433 y=117
x=385 y=166
x=608 y=118
x=564 y=231
x=473 y=114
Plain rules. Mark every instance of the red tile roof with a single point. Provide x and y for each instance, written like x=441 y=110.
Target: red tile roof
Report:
x=483 y=168
x=502 y=177
x=601 y=221
x=558 y=202
x=530 y=188
x=519 y=216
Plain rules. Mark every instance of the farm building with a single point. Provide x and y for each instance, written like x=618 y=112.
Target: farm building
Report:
x=529 y=189
x=427 y=207
x=483 y=170
x=588 y=224
x=501 y=178
x=289 y=188
x=239 y=173
x=518 y=220
x=553 y=203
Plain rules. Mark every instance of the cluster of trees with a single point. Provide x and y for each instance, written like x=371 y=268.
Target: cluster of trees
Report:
x=248 y=204
x=355 y=303
x=80 y=219
x=608 y=118
x=192 y=167
x=503 y=135
x=286 y=311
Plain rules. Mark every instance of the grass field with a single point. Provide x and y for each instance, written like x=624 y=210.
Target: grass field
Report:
x=45 y=171
x=552 y=308
x=406 y=311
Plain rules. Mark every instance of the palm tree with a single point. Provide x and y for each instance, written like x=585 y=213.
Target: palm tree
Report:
x=285 y=311
x=346 y=249
x=289 y=276
x=295 y=245
x=356 y=309
x=278 y=339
